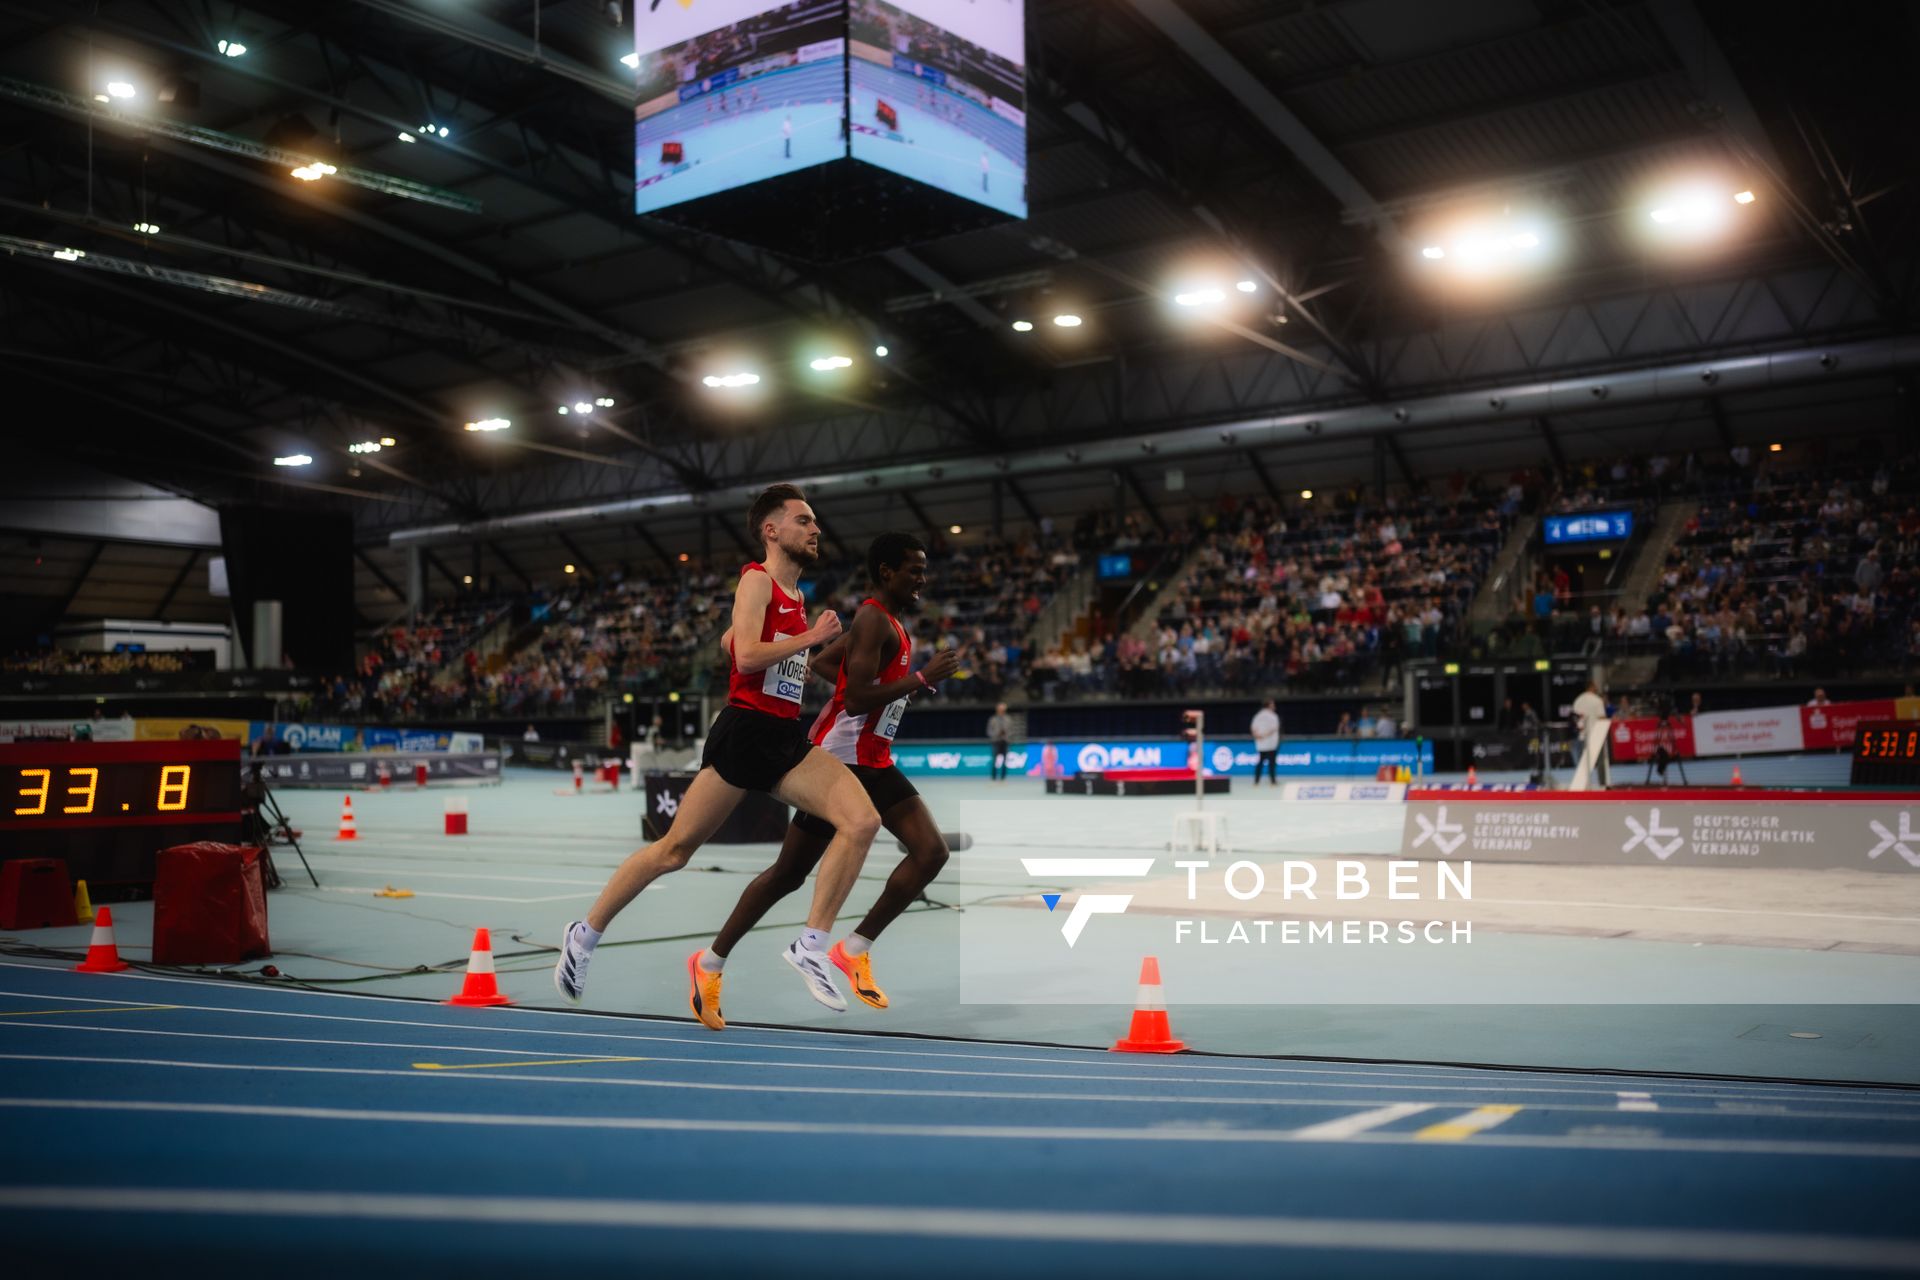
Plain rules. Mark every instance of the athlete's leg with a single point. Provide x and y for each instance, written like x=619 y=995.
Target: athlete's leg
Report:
x=707 y=803
x=912 y=821
x=822 y=785
x=799 y=855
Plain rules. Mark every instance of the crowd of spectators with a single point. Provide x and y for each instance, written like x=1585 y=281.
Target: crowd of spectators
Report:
x=73 y=662
x=1801 y=575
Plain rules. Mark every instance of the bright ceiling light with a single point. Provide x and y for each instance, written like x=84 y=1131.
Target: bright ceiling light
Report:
x=569 y=568
x=293 y=460
x=101 y=97
x=147 y=228
x=1743 y=197
x=407 y=137
x=881 y=351
x=1773 y=448
x=69 y=255
x=443 y=131
x=1023 y=326
x=1664 y=215
x=387 y=442
x=232 y=48
x=314 y=171
x=953 y=528
x=605 y=402
x=826 y=363
x=1307 y=495
x=1067 y=321
x=466 y=579
x=1246 y=286
x=490 y=424
x=581 y=406
x=564 y=411
x=119 y=89
x=1526 y=240
x=1195 y=298
x=1433 y=252
x=732 y=380
x=631 y=60
x=365 y=446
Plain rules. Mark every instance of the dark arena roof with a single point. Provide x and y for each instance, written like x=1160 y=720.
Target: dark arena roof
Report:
x=225 y=313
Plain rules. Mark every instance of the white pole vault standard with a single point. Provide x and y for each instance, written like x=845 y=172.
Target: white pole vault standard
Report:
x=1193 y=828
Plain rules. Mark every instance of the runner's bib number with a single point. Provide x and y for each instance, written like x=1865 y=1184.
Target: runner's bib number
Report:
x=786 y=680
x=888 y=722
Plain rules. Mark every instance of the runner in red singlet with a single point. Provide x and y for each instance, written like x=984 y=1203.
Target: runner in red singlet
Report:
x=876 y=680
x=755 y=744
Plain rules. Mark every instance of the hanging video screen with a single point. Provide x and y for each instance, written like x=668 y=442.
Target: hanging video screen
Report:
x=732 y=92
x=938 y=93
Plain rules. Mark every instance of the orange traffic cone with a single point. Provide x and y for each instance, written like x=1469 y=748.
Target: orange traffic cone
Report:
x=480 y=987
x=348 y=831
x=1473 y=776
x=102 y=955
x=1736 y=777
x=1149 y=1031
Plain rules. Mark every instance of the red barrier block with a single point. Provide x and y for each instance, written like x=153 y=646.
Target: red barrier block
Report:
x=35 y=894
x=209 y=905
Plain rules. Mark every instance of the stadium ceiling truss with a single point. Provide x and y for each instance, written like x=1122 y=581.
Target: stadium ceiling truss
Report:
x=1165 y=109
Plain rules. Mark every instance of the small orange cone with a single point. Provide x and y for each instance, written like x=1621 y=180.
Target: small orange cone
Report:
x=1473 y=776
x=1736 y=777
x=102 y=955
x=1149 y=1031
x=480 y=987
x=348 y=831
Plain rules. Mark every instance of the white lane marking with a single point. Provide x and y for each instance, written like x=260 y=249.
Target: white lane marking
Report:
x=1630 y=1101
x=1630 y=1142
x=707 y=1060
x=1459 y=1078
x=1360 y=1122
x=1650 y=1244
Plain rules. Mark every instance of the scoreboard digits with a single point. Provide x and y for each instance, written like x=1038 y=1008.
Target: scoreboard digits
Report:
x=1887 y=754
x=78 y=789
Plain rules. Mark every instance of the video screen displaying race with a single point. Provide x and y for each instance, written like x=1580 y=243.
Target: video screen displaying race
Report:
x=938 y=90
x=731 y=92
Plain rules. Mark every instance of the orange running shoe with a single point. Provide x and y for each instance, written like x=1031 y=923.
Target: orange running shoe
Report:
x=704 y=996
x=859 y=971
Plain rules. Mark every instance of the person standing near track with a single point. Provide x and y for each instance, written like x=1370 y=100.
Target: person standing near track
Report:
x=1266 y=740
x=1000 y=733
x=876 y=681
x=756 y=744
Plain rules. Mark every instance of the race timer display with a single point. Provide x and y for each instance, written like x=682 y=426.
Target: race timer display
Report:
x=1887 y=754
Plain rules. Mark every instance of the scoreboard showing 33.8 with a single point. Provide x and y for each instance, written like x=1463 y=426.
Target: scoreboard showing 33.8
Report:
x=1887 y=754
x=106 y=807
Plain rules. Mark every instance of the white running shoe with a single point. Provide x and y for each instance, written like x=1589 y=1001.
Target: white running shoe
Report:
x=812 y=968
x=570 y=972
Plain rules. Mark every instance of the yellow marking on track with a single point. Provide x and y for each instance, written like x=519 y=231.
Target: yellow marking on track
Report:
x=1479 y=1120
x=543 y=1062
x=44 y=1013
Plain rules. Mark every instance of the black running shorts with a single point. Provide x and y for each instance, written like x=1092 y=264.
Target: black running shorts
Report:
x=885 y=787
x=753 y=750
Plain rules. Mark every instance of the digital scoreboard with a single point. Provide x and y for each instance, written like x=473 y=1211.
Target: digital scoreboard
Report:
x=106 y=808
x=1887 y=754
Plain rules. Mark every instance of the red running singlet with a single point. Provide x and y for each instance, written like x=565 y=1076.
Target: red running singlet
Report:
x=866 y=739
x=777 y=690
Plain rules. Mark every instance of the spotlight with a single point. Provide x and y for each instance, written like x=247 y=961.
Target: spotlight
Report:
x=365 y=446
x=953 y=528
x=119 y=89
x=69 y=255
x=1067 y=321
x=490 y=424
x=293 y=460
x=443 y=131
x=683 y=560
x=605 y=402
x=232 y=48
x=582 y=407
x=631 y=60
x=466 y=579
x=147 y=228
x=881 y=351
x=1664 y=215
x=1433 y=252
x=407 y=137
x=1023 y=326
x=1773 y=448
x=564 y=411
x=1306 y=495
x=1246 y=286
x=1743 y=197
x=1196 y=298
x=314 y=171
x=569 y=568
x=732 y=380
x=826 y=364
x=387 y=442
